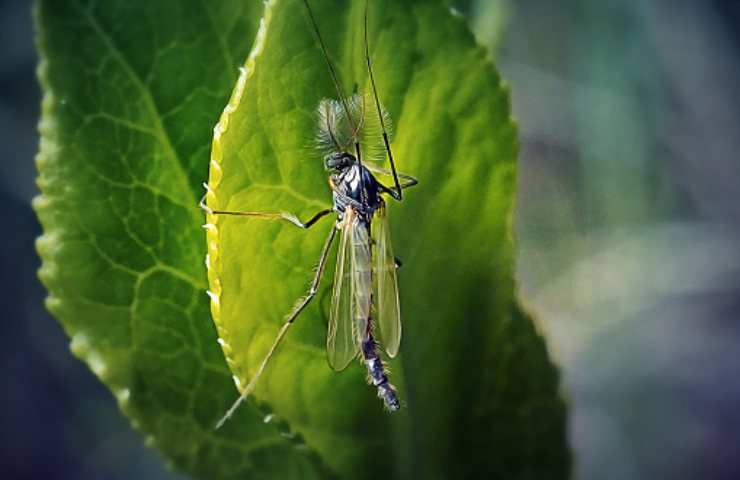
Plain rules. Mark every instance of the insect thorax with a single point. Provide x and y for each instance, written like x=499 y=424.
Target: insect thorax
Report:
x=356 y=187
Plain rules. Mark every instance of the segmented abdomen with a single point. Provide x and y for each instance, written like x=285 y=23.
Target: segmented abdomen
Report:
x=363 y=291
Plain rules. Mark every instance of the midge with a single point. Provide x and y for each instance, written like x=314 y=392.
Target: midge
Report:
x=349 y=140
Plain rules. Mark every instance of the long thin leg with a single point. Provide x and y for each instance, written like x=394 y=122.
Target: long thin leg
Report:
x=392 y=190
x=293 y=314
x=283 y=215
x=411 y=179
x=335 y=79
x=398 y=194
x=333 y=73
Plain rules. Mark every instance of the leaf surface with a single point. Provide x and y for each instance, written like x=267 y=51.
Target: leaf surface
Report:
x=132 y=90
x=472 y=367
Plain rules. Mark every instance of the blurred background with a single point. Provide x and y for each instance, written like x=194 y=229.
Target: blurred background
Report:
x=628 y=228
x=628 y=221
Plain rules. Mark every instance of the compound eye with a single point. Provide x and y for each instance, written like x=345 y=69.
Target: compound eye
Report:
x=337 y=161
x=332 y=162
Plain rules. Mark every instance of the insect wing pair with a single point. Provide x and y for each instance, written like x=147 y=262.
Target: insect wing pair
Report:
x=348 y=319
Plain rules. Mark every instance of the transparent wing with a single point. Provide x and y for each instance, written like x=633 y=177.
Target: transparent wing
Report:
x=342 y=341
x=362 y=274
x=389 y=309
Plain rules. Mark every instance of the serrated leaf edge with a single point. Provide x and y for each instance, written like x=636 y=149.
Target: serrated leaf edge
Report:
x=213 y=259
x=47 y=242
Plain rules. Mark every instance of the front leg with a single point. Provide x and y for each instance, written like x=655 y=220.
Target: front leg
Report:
x=394 y=191
x=282 y=215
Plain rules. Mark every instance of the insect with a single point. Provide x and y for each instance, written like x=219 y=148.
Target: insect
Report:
x=350 y=138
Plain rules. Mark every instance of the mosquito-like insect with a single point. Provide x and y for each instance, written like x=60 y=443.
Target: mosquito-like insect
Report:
x=345 y=132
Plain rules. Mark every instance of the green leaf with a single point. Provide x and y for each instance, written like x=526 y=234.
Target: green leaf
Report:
x=132 y=90
x=472 y=367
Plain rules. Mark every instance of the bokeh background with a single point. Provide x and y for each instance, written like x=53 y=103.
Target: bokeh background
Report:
x=628 y=228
